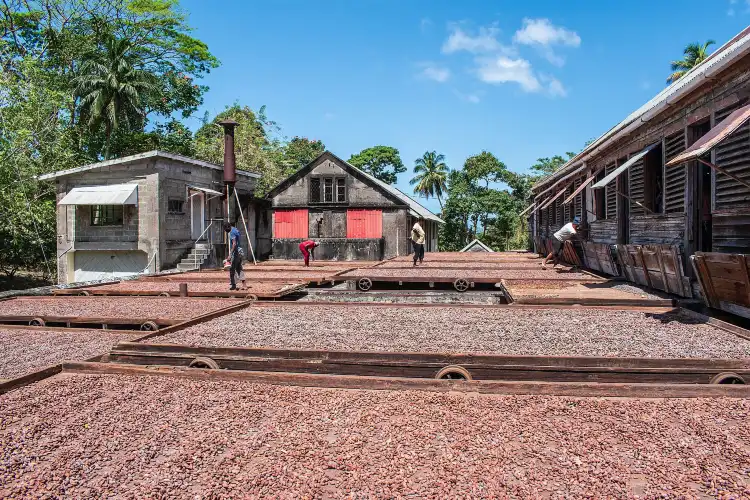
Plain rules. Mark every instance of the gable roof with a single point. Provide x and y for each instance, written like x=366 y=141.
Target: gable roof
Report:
x=474 y=243
x=142 y=156
x=389 y=191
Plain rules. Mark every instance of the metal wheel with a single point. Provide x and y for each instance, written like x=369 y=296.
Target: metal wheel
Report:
x=149 y=326
x=84 y=293
x=37 y=322
x=204 y=362
x=251 y=296
x=364 y=284
x=453 y=372
x=461 y=285
x=164 y=294
x=728 y=378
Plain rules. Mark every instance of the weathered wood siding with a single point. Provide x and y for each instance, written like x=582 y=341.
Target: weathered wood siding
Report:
x=661 y=229
x=603 y=231
x=731 y=232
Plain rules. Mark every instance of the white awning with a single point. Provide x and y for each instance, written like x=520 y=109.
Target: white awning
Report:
x=113 y=194
x=206 y=190
x=609 y=178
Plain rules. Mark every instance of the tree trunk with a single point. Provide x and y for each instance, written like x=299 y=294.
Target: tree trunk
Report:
x=108 y=135
x=440 y=202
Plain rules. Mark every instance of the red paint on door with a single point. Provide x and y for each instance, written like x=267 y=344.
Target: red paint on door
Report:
x=364 y=223
x=291 y=224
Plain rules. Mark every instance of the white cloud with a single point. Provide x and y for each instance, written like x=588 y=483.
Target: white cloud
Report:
x=556 y=89
x=484 y=41
x=543 y=32
x=434 y=72
x=502 y=69
x=473 y=97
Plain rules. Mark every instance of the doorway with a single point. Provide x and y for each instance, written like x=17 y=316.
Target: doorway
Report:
x=705 y=232
x=197 y=215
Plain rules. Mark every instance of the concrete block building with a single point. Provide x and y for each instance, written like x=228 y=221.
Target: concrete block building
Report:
x=147 y=213
x=352 y=214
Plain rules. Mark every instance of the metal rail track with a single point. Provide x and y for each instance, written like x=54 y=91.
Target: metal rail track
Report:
x=437 y=366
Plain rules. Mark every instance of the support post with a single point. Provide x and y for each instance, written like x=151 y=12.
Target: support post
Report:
x=244 y=224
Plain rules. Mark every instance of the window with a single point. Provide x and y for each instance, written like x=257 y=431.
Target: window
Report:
x=328 y=190
x=175 y=207
x=106 y=215
x=315 y=190
x=600 y=208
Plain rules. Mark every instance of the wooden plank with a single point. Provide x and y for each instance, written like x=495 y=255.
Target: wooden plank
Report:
x=643 y=264
x=665 y=279
x=708 y=288
x=30 y=378
x=744 y=276
x=578 y=389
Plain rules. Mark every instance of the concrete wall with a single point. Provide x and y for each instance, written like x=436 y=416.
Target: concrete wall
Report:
x=140 y=230
x=327 y=223
x=332 y=249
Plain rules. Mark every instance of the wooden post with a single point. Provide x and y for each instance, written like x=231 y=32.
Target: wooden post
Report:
x=183 y=290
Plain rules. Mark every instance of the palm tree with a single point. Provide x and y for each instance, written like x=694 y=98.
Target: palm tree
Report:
x=111 y=88
x=431 y=174
x=695 y=53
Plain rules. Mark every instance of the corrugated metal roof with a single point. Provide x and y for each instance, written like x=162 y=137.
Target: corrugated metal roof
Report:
x=113 y=194
x=613 y=174
x=141 y=156
x=727 y=53
x=717 y=134
x=478 y=243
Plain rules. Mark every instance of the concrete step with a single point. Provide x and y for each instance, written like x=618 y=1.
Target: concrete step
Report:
x=191 y=261
x=187 y=267
x=203 y=246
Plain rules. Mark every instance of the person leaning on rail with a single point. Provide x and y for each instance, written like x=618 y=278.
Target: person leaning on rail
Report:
x=565 y=233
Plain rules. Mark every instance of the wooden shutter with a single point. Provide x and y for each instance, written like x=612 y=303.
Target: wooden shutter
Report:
x=566 y=208
x=637 y=187
x=733 y=155
x=364 y=223
x=611 y=194
x=674 y=177
x=291 y=224
x=578 y=200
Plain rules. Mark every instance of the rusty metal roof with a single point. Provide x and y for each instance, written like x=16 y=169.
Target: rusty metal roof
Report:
x=727 y=127
x=613 y=174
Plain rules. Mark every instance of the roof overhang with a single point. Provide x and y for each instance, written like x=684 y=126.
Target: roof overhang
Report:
x=727 y=127
x=622 y=168
x=527 y=209
x=206 y=190
x=549 y=202
x=581 y=187
x=113 y=194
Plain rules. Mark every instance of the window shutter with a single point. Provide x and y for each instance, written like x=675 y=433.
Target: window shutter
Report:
x=733 y=155
x=637 y=188
x=674 y=177
x=611 y=193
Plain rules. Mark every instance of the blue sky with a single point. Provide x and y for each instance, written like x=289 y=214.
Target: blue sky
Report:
x=522 y=80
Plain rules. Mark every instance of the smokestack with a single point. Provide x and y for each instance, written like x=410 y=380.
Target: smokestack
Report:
x=230 y=175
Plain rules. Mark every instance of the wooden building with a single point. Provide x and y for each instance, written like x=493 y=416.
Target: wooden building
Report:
x=626 y=191
x=353 y=215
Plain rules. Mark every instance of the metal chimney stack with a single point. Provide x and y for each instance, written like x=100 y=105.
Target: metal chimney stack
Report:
x=230 y=176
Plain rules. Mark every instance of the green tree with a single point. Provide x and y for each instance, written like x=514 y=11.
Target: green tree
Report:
x=694 y=54
x=430 y=176
x=300 y=151
x=111 y=89
x=547 y=166
x=382 y=162
x=485 y=167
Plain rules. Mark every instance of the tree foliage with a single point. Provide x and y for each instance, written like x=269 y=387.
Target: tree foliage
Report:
x=382 y=162
x=547 y=166
x=300 y=151
x=430 y=176
x=693 y=55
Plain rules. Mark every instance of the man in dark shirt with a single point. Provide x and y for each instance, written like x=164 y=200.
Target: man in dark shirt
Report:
x=234 y=254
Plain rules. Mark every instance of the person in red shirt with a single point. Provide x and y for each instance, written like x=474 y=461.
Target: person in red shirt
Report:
x=307 y=247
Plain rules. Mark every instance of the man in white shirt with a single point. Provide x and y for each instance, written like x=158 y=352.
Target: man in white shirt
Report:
x=565 y=233
x=417 y=239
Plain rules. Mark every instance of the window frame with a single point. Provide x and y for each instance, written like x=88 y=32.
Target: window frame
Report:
x=335 y=184
x=104 y=220
x=176 y=200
